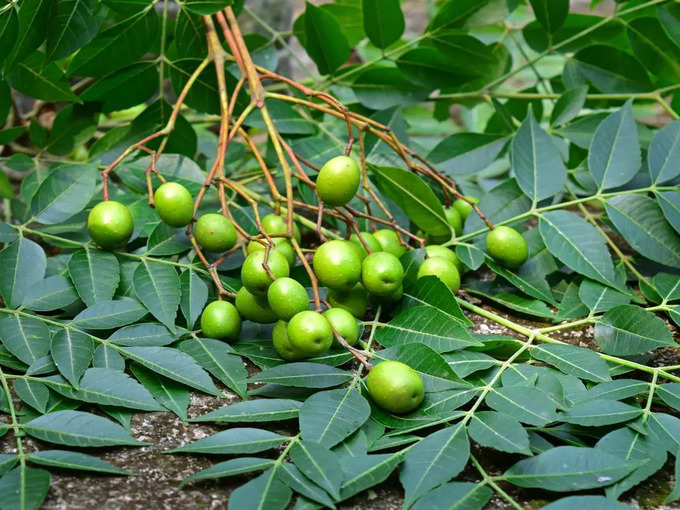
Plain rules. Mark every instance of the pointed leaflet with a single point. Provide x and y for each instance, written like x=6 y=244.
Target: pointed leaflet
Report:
x=569 y=105
x=456 y=496
x=590 y=502
x=34 y=19
x=503 y=202
x=217 y=358
x=33 y=393
x=431 y=291
x=110 y=314
x=641 y=222
x=194 y=296
x=232 y=467
x=577 y=244
x=383 y=21
x=157 y=287
x=234 y=441
x=328 y=417
x=573 y=360
x=266 y=492
x=65 y=192
x=173 y=396
x=173 y=364
x=24 y=488
x=536 y=161
x=64 y=459
x=414 y=197
x=260 y=410
x=670 y=204
x=72 y=352
x=614 y=155
x=34 y=78
x=76 y=428
x=303 y=375
x=23 y=264
x=50 y=294
x=551 y=14
x=319 y=464
x=629 y=329
x=27 y=339
x=323 y=39
x=600 y=412
x=107 y=357
x=293 y=478
x=95 y=274
x=500 y=432
x=569 y=468
x=434 y=460
x=599 y=298
x=115 y=388
x=524 y=403
x=663 y=157
x=365 y=471
x=73 y=25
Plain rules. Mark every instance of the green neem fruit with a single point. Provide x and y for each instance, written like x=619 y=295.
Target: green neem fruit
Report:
x=344 y=324
x=370 y=241
x=463 y=208
x=454 y=219
x=275 y=224
x=389 y=242
x=282 y=344
x=381 y=273
x=110 y=224
x=310 y=333
x=353 y=300
x=287 y=297
x=215 y=233
x=507 y=246
x=281 y=244
x=174 y=204
x=253 y=307
x=395 y=387
x=338 y=180
x=254 y=275
x=220 y=319
x=435 y=250
x=337 y=264
x=443 y=269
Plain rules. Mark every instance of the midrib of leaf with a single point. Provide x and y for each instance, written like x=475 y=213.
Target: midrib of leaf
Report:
x=666 y=160
x=407 y=192
x=78 y=180
x=320 y=38
x=611 y=152
x=335 y=412
x=640 y=335
x=453 y=396
x=495 y=433
x=24 y=337
x=517 y=405
x=663 y=54
x=608 y=72
x=27 y=31
x=88 y=391
x=116 y=38
x=77 y=435
x=44 y=80
x=315 y=464
x=604 y=415
x=568 y=362
x=363 y=474
x=563 y=475
x=69 y=17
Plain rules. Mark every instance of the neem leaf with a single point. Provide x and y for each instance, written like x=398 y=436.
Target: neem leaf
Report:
x=234 y=441
x=569 y=105
x=260 y=410
x=328 y=417
x=65 y=192
x=589 y=502
x=303 y=375
x=266 y=492
x=629 y=329
x=456 y=496
x=663 y=157
x=27 y=339
x=157 y=287
x=95 y=274
x=323 y=39
x=110 y=314
x=573 y=360
x=231 y=467
x=24 y=488
x=599 y=298
x=524 y=403
x=217 y=358
x=72 y=352
x=170 y=394
x=293 y=478
x=23 y=263
x=33 y=393
x=50 y=294
x=383 y=21
x=569 y=468
x=365 y=471
x=499 y=431
x=319 y=464
x=599 y=412
x=64 y=459
x=550 y=13
x=194 y=296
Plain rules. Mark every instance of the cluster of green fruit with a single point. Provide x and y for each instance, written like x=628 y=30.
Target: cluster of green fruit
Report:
x=366 y=265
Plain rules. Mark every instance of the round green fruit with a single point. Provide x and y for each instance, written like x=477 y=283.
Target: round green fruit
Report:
x=353 y=300
x=174 y=204
x=463 y=208
x=389 y=242
x=337 y=264
x=507 y=246
x=344 y=324
x=275 y=224
x=220 y=319
x=443 y=269
x=454 y=219
x=435 y=250
x=253 y=274
x=381 y=273
x=370 y=241
x=281 y=244
x=282 y=344
x=338 y=180
x=253 y=307
x=215 y=233
x=110 y=224
x=310 y=333
x=395 y=387
x=287 y=297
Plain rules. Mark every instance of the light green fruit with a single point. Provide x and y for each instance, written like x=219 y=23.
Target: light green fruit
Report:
x=310 y=333
x=443 y=269
x=287 y=297
x=381 y=273
x=337 y=264
x=454 y=219
x=436 y=250
x=221 y=320
x=174 y=204
x=274 y=224
x=338 y=180
x=395 y=387
x=463 y=208
x=254 y=307
x=215 y=233
x=110 y=224
x=354 y=300
x=344 y=324
x=254 y=276
x=370 y=241
x=507 y=246
x=389 y=242
x=282 y=245
x=282 y=344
